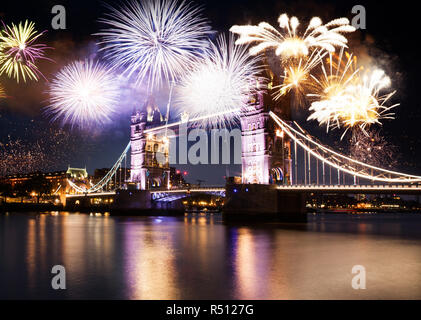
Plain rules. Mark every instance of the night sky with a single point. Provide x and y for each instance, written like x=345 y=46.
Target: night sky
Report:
x=390 y=41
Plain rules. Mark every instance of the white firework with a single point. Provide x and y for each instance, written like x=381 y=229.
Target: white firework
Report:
x=83 y=93
x=155 y=40
x=217 y=88
x=288 y=42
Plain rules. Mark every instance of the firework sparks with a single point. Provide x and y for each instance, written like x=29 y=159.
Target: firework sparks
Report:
x=83 y=93
x=330 y=88
x=367 y=105
x=349 y=97
x=289 y=42
x=20 y=52
x=36 y=150
x=15 y=157
x=219 y=86
x=372 y=148
x=2 y=92
x=297 y=77
x=155 y=39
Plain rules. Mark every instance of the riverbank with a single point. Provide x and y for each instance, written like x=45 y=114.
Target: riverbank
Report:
x=45 y=207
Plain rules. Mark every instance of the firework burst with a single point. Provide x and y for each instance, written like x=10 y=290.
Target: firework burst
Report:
x=288 y=42
x=297 y=77
x=330 y=88
x=372 y=148
x=155 y=39
x=348 y=96
x=83 y=93
x=367 y=104
x=20 y=52
x=218 y=87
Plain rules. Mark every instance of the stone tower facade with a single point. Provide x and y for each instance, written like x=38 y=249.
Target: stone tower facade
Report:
x=266 y=150
x=149 y=151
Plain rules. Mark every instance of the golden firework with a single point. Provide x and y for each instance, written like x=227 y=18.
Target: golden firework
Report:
x=347 y=96
x=297 y=75
x=19 y=53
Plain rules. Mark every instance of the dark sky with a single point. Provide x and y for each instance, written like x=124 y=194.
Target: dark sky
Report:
x=390 y=40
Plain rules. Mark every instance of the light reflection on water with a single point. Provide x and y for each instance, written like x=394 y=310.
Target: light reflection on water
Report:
x=199 y=257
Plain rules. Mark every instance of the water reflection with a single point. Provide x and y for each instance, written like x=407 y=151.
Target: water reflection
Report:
x=251 y=260
x=82 y=244
x=149 y=260
x=199 y=257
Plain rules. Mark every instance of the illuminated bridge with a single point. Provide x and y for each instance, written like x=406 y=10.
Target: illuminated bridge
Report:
x=276 y=153
x=176 y=194
x=323 y=171
x=353 y=189
x=162 y=195
x=172 y=195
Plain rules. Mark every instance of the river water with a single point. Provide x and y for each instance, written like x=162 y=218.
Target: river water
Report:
x=200 y=257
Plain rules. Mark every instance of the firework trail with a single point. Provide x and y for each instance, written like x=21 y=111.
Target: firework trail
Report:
x=155 y=39
x=83 y=93
x=348 y=96
x=19 y=52
x=289 y=42
x=219 y=86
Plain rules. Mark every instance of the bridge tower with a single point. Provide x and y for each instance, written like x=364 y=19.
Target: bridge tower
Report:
x=149 y=151
x=266 y=150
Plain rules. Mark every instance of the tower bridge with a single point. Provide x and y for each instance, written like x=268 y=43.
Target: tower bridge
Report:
x=278 y=157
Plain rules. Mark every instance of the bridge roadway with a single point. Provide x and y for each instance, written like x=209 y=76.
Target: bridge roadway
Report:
x=332 y=189
x=156 y=194
x=353 y=189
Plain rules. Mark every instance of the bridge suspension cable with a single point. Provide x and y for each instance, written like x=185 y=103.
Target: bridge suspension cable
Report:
x=106 y=179
x=189 y=120
x=341 y=162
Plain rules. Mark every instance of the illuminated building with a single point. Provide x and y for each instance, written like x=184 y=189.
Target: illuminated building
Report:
x=58 y=179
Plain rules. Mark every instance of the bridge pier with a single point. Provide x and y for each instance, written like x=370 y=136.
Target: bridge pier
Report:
x=263 y=202
x=140 y=202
